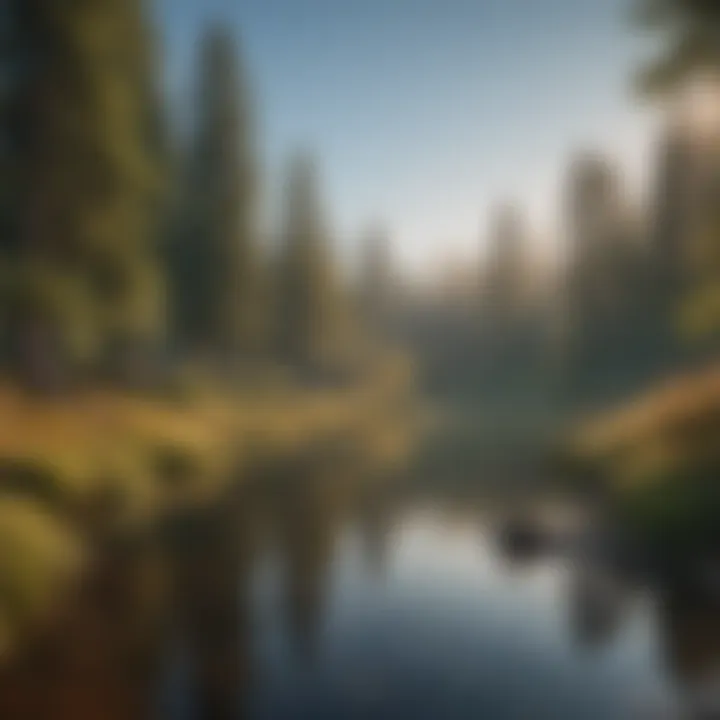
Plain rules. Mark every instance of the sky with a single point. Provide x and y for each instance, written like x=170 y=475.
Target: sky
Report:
x=424 y=114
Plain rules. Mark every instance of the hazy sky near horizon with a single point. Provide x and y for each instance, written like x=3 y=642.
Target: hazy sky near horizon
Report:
x=424 y=113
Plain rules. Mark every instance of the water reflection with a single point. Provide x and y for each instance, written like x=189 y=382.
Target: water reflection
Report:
x=99 y=659
x=212 y=563
x=441 y=626
x=597 y=605
x=307 y=522
x=375 y=522
x=690 y=635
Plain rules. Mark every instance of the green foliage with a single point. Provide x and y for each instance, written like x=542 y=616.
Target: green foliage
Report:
x=698 y=317
x=177 y=467
x=690 y=29
x=89 y=172
x=39 y=554
x=58 y=300
x=216 y=269
x=307 y=295
x=677 y=515
x=689 y=32
x=34 y=478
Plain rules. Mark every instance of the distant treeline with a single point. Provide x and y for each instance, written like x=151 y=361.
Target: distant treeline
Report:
x=635 y=295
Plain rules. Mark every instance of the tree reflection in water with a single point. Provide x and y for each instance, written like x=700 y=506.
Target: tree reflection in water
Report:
x=597 y=604
x=690 y=637
x=100 y=657
x=213 y=569
x=375 y=522
x=185 y=594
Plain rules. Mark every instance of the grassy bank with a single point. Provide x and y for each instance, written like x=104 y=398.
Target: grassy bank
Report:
x=657 y=459
x=75 y=469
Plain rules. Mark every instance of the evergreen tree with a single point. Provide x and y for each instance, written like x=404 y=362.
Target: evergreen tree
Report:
x=137 y=317
x=506 y=311
x=691 y=29
x=9 y=77
x=507 y=276
x=217 y=288
x=307 y=298
x=87 y=186
x=9 y=71
x=688 y=220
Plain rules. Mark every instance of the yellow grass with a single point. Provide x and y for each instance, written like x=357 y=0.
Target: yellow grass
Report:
x=39 y=555
x=104 y=438
x=661 y=433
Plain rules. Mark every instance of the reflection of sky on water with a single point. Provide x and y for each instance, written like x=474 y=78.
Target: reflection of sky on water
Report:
x=449 y=630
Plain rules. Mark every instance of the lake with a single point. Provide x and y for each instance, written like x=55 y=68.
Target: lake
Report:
x=407 y=608
x=324 y=598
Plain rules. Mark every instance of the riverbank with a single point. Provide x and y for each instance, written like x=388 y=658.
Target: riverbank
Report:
x=656 y=462
x=76 y=470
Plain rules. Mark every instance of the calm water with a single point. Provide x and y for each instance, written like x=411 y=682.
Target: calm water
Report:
x=413 y=612
x=325 y=599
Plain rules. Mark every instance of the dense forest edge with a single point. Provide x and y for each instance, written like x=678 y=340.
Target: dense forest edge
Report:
x=157 y=350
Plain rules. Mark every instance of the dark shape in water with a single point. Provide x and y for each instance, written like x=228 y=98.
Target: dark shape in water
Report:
x=522 y=538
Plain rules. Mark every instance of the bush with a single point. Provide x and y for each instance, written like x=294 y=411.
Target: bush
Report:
x=41 y=479
x=39 y=556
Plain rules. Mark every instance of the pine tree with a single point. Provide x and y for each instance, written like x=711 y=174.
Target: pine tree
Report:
x=691 y=29
x=376 y=281
x=9 y=72
x=507 y=276
x=136 y=318
x=690 y=52
x=9 y=82
x=307 y=297
x=216 y=264
x=87 y=184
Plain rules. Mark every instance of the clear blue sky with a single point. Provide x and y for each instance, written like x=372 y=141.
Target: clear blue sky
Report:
x=425 y=112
